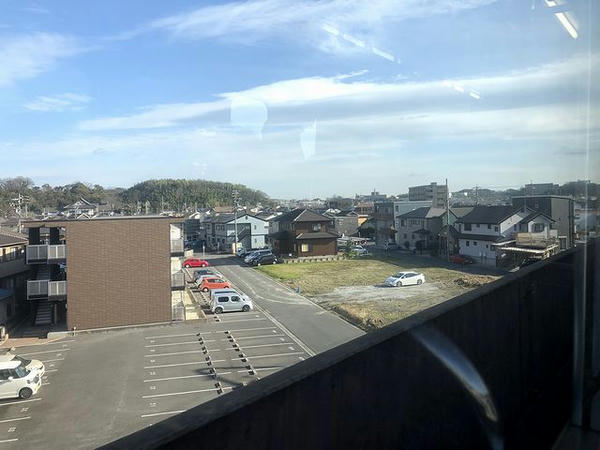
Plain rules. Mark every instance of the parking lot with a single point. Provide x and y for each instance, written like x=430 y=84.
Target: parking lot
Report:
x=102 y=386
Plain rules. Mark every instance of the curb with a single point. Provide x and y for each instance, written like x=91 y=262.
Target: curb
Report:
x=61 y=334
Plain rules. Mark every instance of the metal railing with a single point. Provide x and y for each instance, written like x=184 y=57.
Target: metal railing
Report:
x=178 y=280
x=177 y=246
x=44 y=253
x=46 y=288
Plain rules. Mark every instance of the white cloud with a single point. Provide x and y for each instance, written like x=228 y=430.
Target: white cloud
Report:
x=59 y=103
x=26 y=56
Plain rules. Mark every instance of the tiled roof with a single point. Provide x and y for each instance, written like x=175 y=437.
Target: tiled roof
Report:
x=489 y=214
x=317 y=235
x=419 y=213
x=7 y=238
x=302 y=215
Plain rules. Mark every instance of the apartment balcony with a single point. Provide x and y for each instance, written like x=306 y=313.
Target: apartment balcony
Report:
x=52 y=290
x=178 y=280
x=46 y=254
x=177 y=247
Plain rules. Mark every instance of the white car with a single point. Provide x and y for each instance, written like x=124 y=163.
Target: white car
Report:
x=230 y=301
x=405 y=279
x=360 y=250
x=19 y=377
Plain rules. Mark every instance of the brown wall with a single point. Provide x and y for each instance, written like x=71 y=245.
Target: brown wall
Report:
x=320 y=247
x=307 y=227
x=118 y=272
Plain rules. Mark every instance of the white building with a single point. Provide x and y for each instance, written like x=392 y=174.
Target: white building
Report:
x=251 y=231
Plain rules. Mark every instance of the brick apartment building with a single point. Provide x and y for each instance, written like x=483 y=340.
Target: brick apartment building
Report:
x=106 y=272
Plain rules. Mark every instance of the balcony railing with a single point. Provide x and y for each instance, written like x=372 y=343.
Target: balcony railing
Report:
x=46 y=289
x=177 y=280
x=42 y=254
x=537 y=240
x=177 y=246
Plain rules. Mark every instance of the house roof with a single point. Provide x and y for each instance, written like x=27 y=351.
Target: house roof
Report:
x=302 y=215
x=8 y=238
x=317 y=235
x=489 y=214
x=229 y=217
x=482 y=237
x=81 y=203
x=424 y=212
x=461 y=211
x=535 y=214
x=453 y=231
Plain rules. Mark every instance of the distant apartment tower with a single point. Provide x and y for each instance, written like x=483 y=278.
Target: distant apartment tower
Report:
x=106 y=272
x=432 y=192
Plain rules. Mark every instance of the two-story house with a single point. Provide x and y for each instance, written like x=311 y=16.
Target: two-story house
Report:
x=487 y=228
x=251 y=231
x=419 y=229
x=13 y=275
x=302 y=232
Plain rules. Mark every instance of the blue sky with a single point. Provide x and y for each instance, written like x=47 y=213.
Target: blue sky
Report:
x=299 y=98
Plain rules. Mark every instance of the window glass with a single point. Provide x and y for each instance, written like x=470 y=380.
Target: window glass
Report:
x=223 y=299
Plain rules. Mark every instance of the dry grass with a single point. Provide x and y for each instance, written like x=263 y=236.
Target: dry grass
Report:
x=323 y=277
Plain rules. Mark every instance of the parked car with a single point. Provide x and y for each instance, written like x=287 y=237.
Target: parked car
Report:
x=405 y=279
x=256 y=253
x=461 y=259
x=195 y=262
x=198 y=273
x=213 y=283
x=268 y=258
x=19 y=377
x=230 y=301
x=216 y=292
x=360 y=250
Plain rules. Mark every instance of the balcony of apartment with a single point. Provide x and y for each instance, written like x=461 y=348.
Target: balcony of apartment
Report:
x=178 y=280
x=512 y=365
x=540 y=240
x=177 y=247
x=46 y=254
x=41 y=289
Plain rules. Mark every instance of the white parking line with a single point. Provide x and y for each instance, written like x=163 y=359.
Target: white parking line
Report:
x=252 y=337
x=186 y=376
x=8 y=440
x=15 y=419
x=249 y=329
x=241 y=320
x=261 y=369
x=164 y=413
x=258 y=346
x=46 y=351
x=183 y=364
x=52 y=360
x=21 y=401
x=266 y=356
x=51 y=370
x=186 y=392
x=177 y=343
x=173 y=353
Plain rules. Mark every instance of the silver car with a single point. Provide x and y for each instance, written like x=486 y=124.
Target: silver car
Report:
x=405 y=279
x=230 y=301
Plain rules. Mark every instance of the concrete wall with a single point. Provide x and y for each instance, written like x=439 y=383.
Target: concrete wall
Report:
x=492 y=365
x=118 y=272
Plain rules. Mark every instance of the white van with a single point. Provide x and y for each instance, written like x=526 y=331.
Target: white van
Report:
x=230 y=301
x=19 y=377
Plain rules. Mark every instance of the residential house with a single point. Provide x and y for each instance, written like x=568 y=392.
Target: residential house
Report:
x=487 y=228
x=560 y=209
x=251 y=231
x=80 y=209
x=303 y=232
x=13 y=276
x=345 y=223
x=193 y=225
x=383 y=221
x=419 y=229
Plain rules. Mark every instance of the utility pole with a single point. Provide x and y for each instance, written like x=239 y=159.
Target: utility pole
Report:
x=447 y=222
x=18 y=203
x=476 y=195
x=235 y=203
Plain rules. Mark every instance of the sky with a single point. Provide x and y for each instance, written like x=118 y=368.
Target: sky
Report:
x=300 y=99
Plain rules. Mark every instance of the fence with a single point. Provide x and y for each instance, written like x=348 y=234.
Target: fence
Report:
x=178 y=312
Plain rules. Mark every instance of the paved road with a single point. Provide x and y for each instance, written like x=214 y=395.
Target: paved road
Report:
x=316 y=327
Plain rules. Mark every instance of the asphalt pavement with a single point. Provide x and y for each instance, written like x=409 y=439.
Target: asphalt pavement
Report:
x=316 y=327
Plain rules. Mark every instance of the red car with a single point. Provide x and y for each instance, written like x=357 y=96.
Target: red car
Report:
x=195 y=262
x=461 y=259
x=213 y=283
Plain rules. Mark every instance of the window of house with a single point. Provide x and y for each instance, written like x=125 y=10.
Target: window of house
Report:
x=486 y=246
x=413 y=236
x=489 y=226
x=475 y=243
x=305 y=248
x=467 y=243
x=403 y=222
x=467 y=227
x=477 y=225
x=538 y=227
x=514 y=228
x=495 y=227
x=316 y=227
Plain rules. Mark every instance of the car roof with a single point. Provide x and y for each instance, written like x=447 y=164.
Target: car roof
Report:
x=8 y=361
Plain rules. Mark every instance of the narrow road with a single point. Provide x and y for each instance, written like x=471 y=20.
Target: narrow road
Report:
x=316 y=327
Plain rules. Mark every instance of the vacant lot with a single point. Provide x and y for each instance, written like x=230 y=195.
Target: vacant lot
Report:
x=355 y=290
